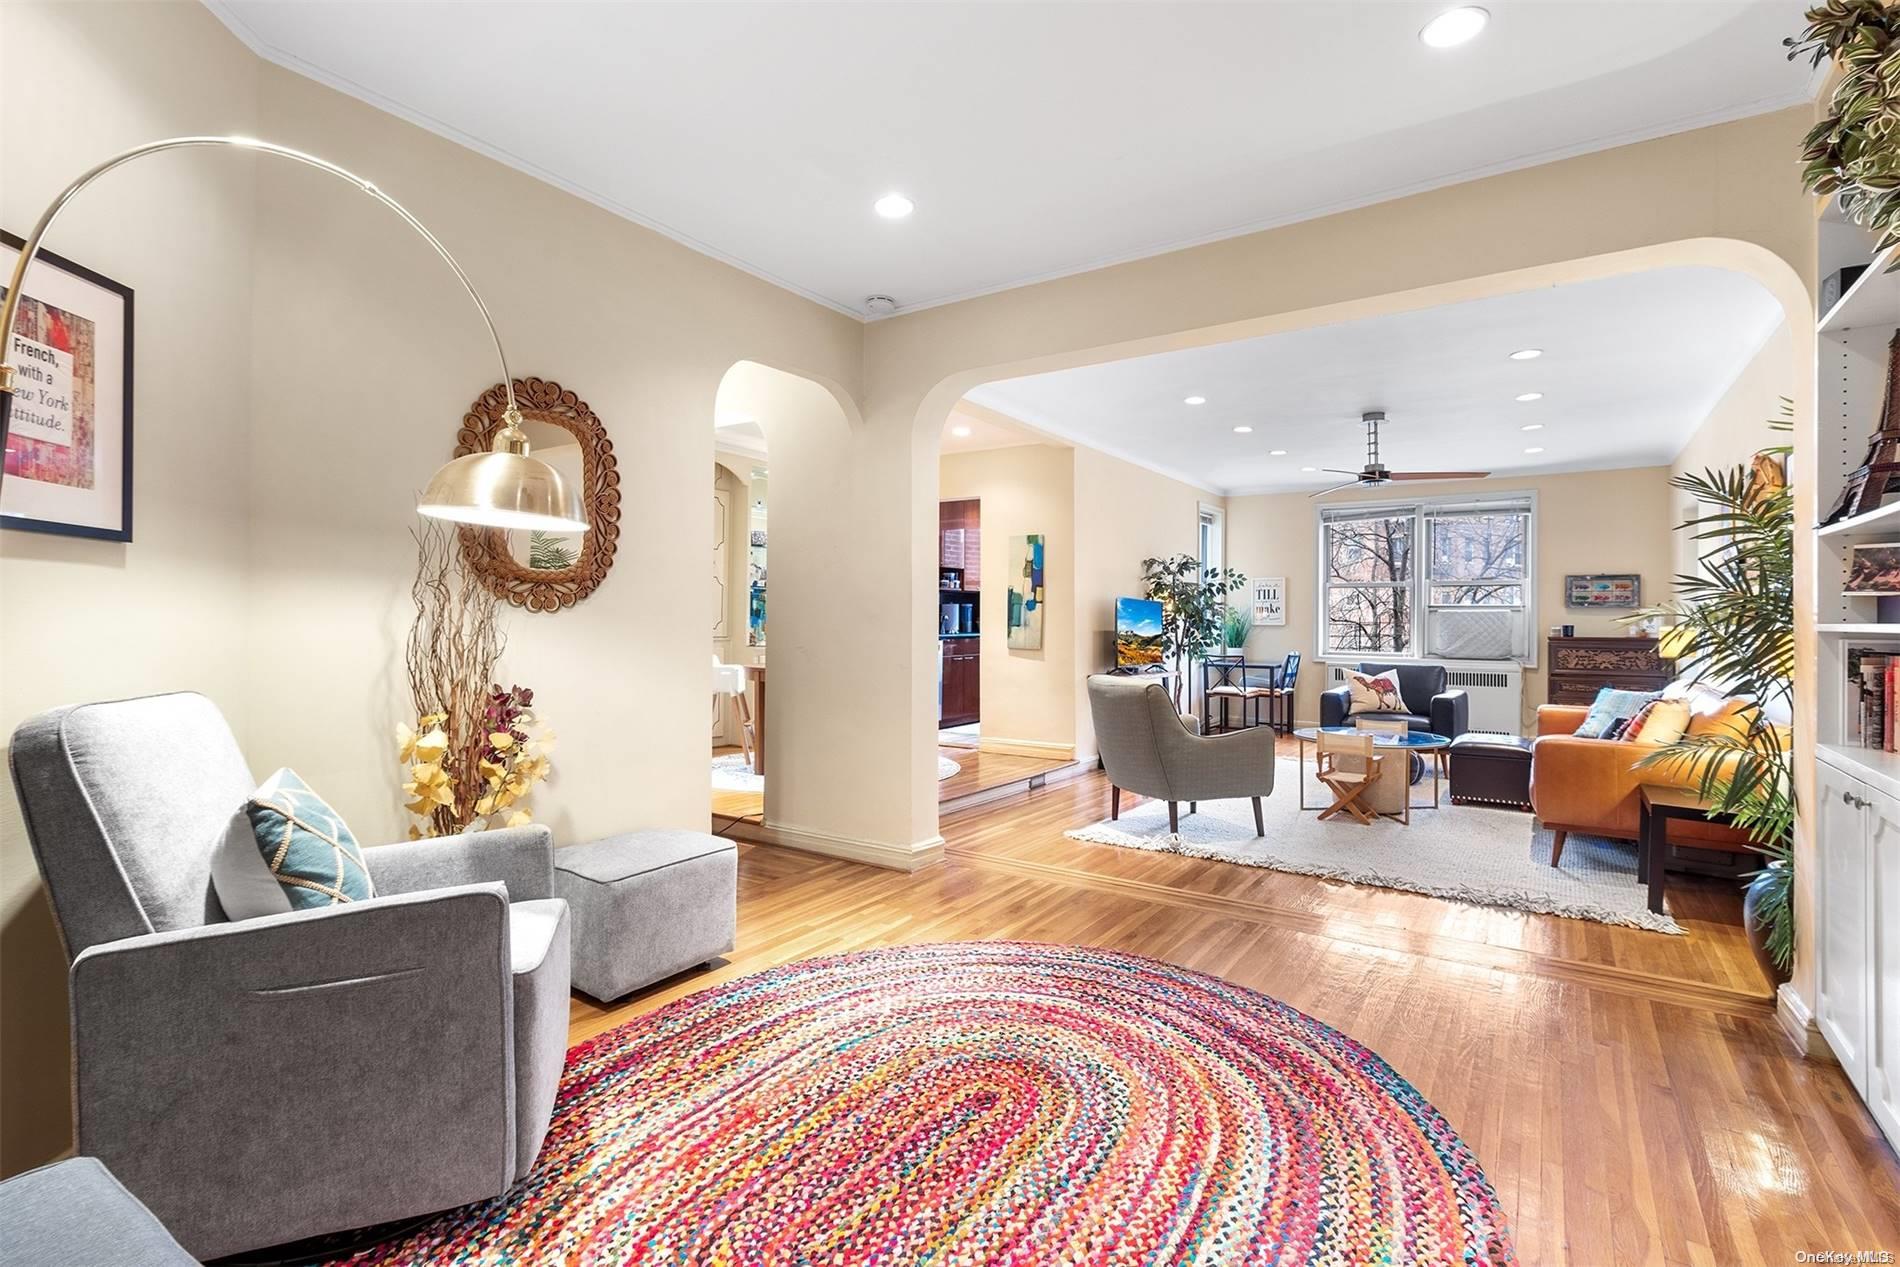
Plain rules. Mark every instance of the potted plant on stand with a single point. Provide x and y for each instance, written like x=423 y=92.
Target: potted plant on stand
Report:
x=1734 y=629
x=1235 y=624
x=1192 y=600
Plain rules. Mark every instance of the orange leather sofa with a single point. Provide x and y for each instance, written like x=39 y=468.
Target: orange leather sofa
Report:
x=1589 y=786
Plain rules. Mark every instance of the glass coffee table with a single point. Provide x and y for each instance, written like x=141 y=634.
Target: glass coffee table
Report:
x=1433 y=746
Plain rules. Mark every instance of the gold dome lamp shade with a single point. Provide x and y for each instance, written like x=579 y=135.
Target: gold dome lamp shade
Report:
x=505 y=487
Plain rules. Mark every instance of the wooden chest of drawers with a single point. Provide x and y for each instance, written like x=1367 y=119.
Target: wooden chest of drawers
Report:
x=1580 y=667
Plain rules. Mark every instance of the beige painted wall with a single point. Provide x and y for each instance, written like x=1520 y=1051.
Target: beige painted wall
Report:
x=1589 y=521
x=1735 y=429
x=81 y=619
x=1123 y=514
x=1028 y=697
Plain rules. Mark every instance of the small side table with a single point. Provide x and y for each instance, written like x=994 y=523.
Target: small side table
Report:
x=1658 y=805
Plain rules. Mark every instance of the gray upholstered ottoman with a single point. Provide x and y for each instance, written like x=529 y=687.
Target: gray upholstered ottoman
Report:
x=647 y=905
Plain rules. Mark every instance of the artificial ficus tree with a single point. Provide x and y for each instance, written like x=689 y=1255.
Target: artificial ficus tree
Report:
x=1193 y=602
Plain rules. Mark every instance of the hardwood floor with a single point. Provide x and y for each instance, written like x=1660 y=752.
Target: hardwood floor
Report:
x=1628 y=1093
x=978 y=771
x=982 y=771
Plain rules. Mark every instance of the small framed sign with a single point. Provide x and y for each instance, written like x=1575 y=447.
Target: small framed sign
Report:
x=1269 y=600
x=1604 y=589
x=69 y=441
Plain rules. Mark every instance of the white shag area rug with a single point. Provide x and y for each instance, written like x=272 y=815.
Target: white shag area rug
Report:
x=1468 y=853
x=733 y=773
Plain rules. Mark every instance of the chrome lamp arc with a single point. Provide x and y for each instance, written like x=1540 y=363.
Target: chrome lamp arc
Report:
x=505 y=487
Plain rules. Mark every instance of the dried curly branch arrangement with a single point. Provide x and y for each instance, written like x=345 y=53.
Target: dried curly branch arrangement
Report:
x=454 y=645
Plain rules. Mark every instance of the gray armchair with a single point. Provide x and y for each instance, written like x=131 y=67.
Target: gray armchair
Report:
x=1151 y=750
x=260 y=1081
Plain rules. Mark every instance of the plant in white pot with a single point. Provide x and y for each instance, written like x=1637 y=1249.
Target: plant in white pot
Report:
x=1235 y=624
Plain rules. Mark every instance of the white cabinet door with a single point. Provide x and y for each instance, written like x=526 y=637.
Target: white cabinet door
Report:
x=1844 y=1003
x=1883 y=1074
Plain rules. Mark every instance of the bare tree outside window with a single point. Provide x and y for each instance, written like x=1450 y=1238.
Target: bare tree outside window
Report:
x=1478 y=560
x=1385 y=571
x=1369 y=584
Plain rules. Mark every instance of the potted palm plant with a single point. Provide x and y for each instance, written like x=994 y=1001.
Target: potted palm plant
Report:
x=1734 y=628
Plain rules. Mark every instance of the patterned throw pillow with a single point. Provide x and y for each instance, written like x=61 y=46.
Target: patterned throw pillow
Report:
x=286 y=850
x=1611 y=706
x=1374 y=693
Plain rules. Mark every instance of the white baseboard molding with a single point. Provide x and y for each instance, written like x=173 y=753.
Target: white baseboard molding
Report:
x=876 y=853
x=1796 y=1019
x=1026 y=748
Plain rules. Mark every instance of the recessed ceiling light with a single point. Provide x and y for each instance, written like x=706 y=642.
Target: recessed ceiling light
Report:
x=1454 y=26
x=1528 y=397
x=1534 y=449
x=1527 y=354
x=1276 y=453
x=1194 y=400
x=960 y=431
x=1532 y=426
x=893 y=206
x=1243 y=431
x=1309 y=469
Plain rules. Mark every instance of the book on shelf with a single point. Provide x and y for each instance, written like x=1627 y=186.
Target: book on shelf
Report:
x=1873 y=697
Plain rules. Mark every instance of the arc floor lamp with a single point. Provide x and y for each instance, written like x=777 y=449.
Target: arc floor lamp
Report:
x=503 y=488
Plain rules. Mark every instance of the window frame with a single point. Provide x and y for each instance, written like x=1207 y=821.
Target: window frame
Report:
x=1422 y=510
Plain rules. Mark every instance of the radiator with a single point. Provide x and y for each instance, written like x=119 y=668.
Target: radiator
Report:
x=1496 y=688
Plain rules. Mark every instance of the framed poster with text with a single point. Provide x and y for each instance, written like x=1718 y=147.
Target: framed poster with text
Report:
x=69 y=444
x=1269 y=600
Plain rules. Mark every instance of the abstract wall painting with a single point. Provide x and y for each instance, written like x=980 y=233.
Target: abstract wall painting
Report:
x=1026 y=596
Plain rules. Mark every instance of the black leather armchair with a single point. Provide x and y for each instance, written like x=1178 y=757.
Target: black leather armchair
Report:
x=1429 y=705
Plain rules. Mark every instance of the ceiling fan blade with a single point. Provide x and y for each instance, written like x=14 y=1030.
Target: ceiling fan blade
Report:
x=1334 y=489
x=1333 y=470
x=1437 y=475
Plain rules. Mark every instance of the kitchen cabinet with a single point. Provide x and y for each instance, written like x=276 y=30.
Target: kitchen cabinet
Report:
x=962 y=681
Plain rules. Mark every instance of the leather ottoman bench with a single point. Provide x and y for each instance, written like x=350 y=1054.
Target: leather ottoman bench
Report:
x=646 y=905
x=1488 y=769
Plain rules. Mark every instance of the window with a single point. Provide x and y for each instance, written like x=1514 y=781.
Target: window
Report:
x=1209 y=538
x=1468 y=594
x=1369 y=582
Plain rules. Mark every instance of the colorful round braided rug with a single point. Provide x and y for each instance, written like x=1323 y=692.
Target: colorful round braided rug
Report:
x=981 y=1103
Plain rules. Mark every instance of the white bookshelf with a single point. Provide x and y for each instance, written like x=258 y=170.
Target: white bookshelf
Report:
x=1851 y=363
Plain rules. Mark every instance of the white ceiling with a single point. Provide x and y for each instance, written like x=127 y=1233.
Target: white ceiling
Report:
x=1036 y=139
x=1631 y=366
x=970 y=428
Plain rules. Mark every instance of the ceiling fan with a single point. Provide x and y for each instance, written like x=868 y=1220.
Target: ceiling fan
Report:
x=1375 y=472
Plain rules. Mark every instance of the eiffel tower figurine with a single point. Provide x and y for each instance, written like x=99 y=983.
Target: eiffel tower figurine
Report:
x=1867 y=485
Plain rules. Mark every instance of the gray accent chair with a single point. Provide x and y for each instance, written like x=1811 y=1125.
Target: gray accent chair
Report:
x=73 y=1213
x=1431 y=706
x=1151 y=750
x=260 y=1081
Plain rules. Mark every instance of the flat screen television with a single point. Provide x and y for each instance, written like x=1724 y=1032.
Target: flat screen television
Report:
x=1137 y=633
